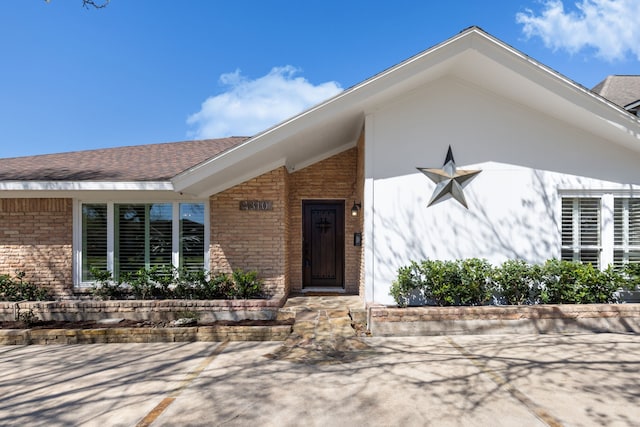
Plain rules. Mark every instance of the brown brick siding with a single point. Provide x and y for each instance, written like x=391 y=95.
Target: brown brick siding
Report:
x=332 y=178
x=36 y=234
x=252 y=240
x=36 y=237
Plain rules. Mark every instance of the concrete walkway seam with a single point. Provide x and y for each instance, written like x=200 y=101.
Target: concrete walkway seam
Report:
x=535 y=409
x=190 y=377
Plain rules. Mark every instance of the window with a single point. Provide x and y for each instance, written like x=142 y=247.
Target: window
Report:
x=94 y=238
x=581 y=228
x=626 y=231
x=192 y=247
x=602 y=230
x=126 y=237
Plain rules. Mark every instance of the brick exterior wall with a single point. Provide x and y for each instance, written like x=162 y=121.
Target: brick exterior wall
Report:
x=333 y=178
x=36 y=234
x=36 y=237
x=253 y=240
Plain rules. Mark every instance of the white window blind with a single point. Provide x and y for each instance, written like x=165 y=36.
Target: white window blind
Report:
x=192 y=244
x=141 y=236
x=626 y=231
x=581 y=230
x=94 y=239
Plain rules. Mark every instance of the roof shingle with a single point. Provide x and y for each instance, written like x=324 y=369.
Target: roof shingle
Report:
x=152 y=162
x=621 y=90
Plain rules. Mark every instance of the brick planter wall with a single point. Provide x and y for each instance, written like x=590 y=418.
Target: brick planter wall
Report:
x=144 y=335
x=156 y=310
x=392 y=321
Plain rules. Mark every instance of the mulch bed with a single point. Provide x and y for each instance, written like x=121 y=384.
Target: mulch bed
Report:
x=92 y=324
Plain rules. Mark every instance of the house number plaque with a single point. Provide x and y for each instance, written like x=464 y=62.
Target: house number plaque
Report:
x=256 y=205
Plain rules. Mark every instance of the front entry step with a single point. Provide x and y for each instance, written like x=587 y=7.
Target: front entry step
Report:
x=323 y=332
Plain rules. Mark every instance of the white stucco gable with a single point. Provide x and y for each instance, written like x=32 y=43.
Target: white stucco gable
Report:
x=529 y=160
x=472 y=57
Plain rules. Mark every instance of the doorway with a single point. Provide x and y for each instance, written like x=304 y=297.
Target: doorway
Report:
x=323 y=243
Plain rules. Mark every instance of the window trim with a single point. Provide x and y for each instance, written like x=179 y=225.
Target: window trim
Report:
x=626 y=247
x=175 y=241
x=607 y=202
x=576 y=247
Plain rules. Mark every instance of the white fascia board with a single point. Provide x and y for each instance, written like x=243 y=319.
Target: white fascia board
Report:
x=86 y=186
x=634 y=104
x=611 y=115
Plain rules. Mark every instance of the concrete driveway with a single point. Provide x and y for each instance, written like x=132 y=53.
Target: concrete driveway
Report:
x=494 y=380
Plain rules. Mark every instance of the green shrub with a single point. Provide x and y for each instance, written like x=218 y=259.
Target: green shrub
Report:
x=518 y=282
x=476 y=281
x=473 y=281
x=105 y=287
x=191 y=285
x=17 y=289
x=246 y=284
x=444 y=283
x=407 y=284
x=567 y=282
x=631 y=275
x=171 y=283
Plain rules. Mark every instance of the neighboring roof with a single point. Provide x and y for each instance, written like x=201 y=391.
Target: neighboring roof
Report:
x=634 y=107
x=153 y=162
x=621 y=90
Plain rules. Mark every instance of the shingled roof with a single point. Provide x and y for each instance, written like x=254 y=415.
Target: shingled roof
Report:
x=621 y=90
x=152 y=162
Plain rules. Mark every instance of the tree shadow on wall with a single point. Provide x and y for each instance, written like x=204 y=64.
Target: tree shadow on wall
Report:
x=529 y=230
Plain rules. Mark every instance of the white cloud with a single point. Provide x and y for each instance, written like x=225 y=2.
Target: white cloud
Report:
x=611 y=27
x=251 y=106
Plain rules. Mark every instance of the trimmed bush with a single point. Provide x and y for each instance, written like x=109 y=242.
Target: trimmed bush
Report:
x=518 y=282
x=408 y=284
x=444 y=283
x=565 y=282
x=473 y=281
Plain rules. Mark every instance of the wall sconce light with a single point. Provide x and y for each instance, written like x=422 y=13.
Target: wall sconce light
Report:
x=356 y=207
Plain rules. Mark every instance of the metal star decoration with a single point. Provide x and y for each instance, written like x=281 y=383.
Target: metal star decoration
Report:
x=449 y=181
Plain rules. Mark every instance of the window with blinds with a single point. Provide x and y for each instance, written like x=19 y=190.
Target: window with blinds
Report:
x=142 y=236
x=192 y=236
x=94 y=239
x=581 y=230
x=626 y=231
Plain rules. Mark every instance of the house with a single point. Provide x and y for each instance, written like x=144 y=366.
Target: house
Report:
x=468 y=149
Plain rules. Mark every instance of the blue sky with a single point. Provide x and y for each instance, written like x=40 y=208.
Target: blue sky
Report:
x=150 y=71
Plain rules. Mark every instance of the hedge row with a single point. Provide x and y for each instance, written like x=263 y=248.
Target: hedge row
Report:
x=476 y=282
x=172 y=283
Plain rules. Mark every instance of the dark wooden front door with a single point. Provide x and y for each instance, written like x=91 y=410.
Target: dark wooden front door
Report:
x=323 y=243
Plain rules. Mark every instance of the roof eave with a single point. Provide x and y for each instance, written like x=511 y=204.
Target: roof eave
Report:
x=86 y=186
